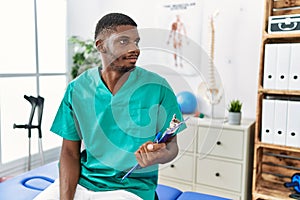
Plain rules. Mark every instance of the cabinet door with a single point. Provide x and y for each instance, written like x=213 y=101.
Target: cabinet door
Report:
x=220 y=174
x=224 y=143
x=181 y=168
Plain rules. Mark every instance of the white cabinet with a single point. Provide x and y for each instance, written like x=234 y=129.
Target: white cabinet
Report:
x=229 y=144
x=219 y=174
x=181 y=168
x=214 y=158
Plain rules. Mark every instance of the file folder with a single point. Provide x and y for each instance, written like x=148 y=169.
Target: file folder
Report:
x=283 y=66
x=267 y=129
x=294 y=74
x=280 y=122
x=293 y=124
x=270 y=62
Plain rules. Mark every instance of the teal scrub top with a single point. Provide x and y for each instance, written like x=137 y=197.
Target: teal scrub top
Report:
x=113 y=127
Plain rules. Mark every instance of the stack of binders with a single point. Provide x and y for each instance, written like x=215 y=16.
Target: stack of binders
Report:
x=280 y=115
x=282 y=71
x=280 y=121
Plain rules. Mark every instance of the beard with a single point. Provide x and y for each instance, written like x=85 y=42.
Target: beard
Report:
x=122 y=69
x=121 y=64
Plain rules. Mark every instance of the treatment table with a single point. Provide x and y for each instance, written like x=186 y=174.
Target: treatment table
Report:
x=29 y=184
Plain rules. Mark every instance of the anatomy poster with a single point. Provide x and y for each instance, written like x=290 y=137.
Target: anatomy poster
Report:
x=173 y=47
x=174 y=44
x=183 y=22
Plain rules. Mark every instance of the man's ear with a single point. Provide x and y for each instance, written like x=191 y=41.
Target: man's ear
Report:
x=100 y=46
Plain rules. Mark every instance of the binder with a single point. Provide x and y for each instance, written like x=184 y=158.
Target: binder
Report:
x=267 y=129
x=294 y=74
x=282 y=67
x=270 y=62
x=293 y=124
x=280 y=122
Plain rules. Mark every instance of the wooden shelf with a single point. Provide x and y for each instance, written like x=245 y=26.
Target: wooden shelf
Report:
x=265 y=197
x=282 y=7
x=274 y=165
x=279 y=92
x=278 y=147
x=277 y=190
x=285 y=36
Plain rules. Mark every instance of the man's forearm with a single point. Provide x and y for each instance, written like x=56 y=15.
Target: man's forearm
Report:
x=172 y=148
x=69 y=172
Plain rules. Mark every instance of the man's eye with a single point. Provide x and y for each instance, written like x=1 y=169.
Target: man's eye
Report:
x=123 y=41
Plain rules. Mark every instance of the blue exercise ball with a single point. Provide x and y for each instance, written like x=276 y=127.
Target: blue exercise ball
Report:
x=187 y=102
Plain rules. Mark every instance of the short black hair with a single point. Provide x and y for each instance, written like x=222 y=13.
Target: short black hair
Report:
x=111 y=20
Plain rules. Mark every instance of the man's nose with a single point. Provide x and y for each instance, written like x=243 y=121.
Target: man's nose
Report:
x=133 y=47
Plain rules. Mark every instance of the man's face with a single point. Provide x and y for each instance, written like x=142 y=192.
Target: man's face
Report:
x=122 y=49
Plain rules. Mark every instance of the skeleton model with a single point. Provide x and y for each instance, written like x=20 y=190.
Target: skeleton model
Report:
x=210 y=91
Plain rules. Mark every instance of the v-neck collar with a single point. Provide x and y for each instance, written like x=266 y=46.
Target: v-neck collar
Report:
x=104 y=86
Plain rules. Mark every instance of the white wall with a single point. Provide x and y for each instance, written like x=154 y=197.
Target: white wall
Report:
x=237 y=43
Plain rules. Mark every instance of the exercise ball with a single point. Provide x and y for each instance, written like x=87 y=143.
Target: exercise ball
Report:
x=187 y=102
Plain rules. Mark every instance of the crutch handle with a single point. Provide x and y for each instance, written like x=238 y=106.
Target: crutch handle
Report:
x=26 y=126
x=21 y=126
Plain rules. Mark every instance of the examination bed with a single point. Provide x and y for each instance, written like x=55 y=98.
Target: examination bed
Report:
x=29 y=184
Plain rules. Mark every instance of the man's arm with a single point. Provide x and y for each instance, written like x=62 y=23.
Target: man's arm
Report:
x=157 y=153
x=69 y=168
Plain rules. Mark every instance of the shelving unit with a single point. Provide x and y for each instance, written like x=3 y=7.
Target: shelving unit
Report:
x=273 y=165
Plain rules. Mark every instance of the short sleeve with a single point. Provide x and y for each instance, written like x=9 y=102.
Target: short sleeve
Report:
x=64 y=123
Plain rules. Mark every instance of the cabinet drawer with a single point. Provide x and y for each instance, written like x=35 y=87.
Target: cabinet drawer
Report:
x=181 y=168
x=221 y=142
x=187 y=138
x=219 y=174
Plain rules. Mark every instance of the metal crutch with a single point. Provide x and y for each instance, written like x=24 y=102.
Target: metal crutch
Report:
x=40 y=103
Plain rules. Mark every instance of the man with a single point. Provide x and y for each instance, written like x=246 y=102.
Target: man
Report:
x=115 y=112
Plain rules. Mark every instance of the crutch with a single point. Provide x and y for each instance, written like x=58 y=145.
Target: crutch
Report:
x=40 y=104
x=39 y=101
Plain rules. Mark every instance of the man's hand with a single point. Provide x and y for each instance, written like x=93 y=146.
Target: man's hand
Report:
x=156 y=153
